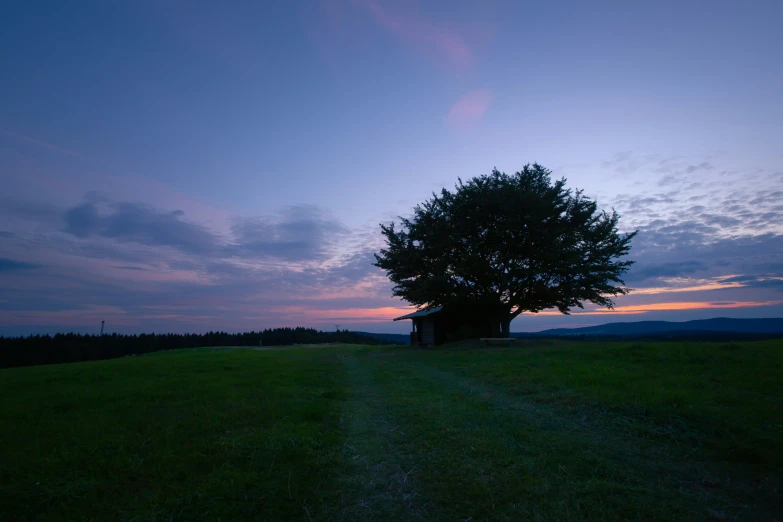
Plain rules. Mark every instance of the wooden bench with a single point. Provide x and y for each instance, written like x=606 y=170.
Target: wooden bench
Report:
x=488 y=340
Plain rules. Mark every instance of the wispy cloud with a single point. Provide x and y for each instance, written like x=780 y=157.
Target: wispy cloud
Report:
x=682 y=285
x=282 y=268
x=419 y=31
x=468 y=110
x=303 y=232
x=9 y=265
x=296 y=233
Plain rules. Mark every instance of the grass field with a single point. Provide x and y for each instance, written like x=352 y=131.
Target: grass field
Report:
x=542 y=431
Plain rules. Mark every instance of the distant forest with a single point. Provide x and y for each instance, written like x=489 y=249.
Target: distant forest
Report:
x=64 y=348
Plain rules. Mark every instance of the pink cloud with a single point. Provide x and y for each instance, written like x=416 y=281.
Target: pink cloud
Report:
x=419 y=31
x=469 y=109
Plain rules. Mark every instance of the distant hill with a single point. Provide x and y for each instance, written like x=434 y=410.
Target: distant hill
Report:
x=720 y=324
x=720 y=328
x=389 y=337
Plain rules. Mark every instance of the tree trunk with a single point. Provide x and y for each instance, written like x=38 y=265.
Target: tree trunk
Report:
x=505 y=326
x=495 y=326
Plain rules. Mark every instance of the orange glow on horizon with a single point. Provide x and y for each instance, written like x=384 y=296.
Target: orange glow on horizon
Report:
x=694 y=305
x=386 y=313
x=659 y=307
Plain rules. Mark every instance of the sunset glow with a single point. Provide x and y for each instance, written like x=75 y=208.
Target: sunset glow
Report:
x=233 y=176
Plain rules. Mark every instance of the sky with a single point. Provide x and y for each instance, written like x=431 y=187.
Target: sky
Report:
x=187 y=166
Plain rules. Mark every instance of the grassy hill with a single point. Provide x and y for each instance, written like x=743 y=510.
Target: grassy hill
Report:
x=547 y=430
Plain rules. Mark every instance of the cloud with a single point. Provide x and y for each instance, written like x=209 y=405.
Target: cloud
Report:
x=354 y=268
x=129 y=255
x=9 y=265
x=239 y=297
x=418 y=31
x=704 y=229
x=468 y=110
x=679 y=245
x=686 y=285
x=767 y=281
x=709 y=222
x=132 y=222
x=138 y=223
x=298 y=233
x=698 y=193
x=705 y=242
x=642 y=271
x=82 y=221
x=668 y=180
x=705 y=165
x=671 y=257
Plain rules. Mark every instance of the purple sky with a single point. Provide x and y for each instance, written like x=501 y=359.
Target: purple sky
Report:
x=188 y=166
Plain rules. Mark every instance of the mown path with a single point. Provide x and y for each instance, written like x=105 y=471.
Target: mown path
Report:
x=424 y=443
x=382 y=478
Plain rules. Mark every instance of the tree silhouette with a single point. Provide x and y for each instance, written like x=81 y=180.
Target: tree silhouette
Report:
x=503 y=244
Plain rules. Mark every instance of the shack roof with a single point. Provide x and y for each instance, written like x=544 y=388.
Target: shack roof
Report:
x=420 y=313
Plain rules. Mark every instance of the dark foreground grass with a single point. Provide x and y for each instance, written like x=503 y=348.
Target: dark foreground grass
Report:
x=187 y=435
x=542 y=431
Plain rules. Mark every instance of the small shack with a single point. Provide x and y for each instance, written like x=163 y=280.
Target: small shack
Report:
x=426 y=327
x=456 y=322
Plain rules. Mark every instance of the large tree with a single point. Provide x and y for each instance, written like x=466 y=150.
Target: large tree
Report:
x=507 y=244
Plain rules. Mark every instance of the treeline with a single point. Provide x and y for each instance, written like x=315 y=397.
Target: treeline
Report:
x=63 y=348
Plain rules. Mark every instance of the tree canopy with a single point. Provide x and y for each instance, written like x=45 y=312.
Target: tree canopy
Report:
x=507 y=244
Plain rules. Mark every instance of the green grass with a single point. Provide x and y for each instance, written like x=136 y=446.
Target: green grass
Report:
x=541 y=431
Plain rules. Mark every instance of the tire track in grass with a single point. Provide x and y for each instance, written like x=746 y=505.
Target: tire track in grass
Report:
x=472 y=450
x=654 y=457
x=482 y=463
x=380 y=479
